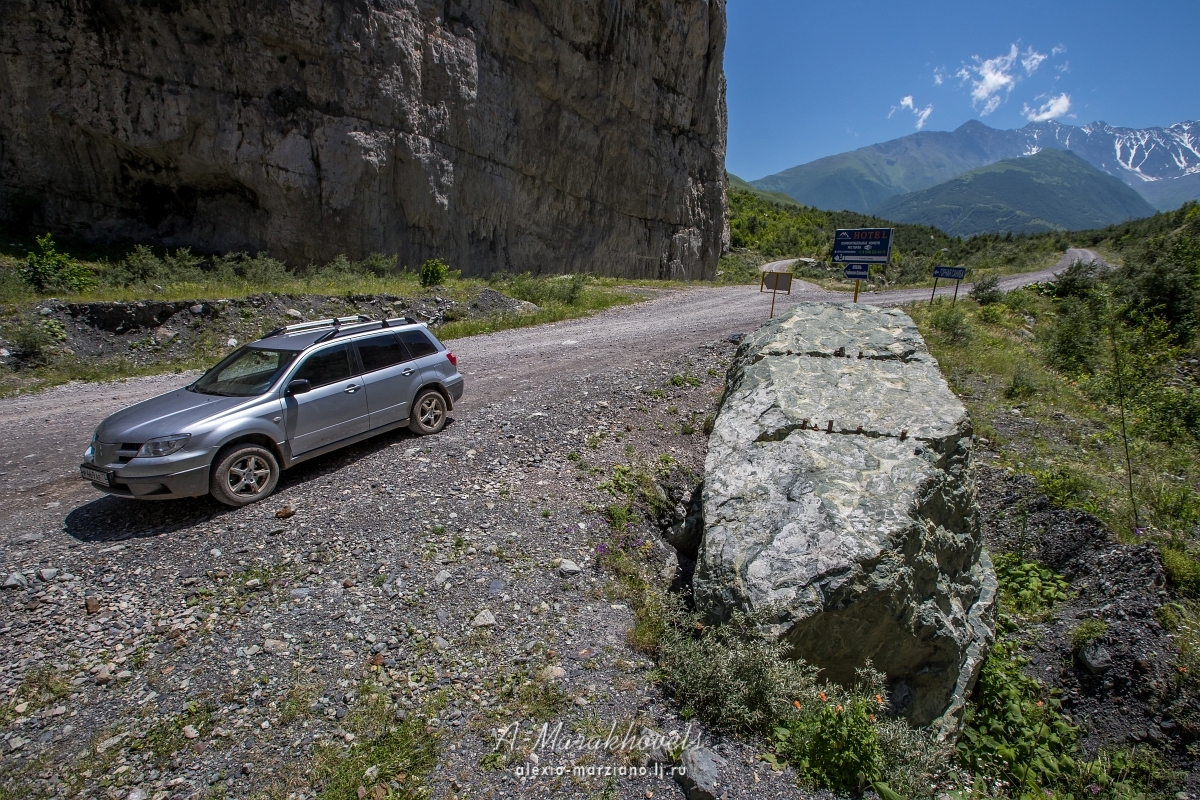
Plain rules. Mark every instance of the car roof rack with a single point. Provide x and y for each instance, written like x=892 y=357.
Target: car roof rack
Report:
x=338 y=326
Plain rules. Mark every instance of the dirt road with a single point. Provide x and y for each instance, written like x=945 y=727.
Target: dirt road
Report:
x=46 y=433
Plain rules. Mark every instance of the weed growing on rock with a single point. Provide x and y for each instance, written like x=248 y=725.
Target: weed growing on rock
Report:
x=1087 y=632
x=1182 y=570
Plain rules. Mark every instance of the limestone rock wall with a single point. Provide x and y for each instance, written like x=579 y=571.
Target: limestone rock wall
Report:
x=583 y=135
x=839 y=492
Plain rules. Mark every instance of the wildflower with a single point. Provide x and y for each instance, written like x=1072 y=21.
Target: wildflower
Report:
x=796 y=703
x=872 y=718
x=823 y=698
x=878 y=699
x=1040 y=703
x=839 y=708
x=1183 y=669
x=1094 y=789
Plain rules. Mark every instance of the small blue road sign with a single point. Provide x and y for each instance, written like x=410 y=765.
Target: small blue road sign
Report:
x=857 y=271
x=953 y=273
x=862 y=245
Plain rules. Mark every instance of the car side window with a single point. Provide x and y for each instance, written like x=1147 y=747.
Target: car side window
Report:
x=417 y=343
x=380 y=352
x=326 y=366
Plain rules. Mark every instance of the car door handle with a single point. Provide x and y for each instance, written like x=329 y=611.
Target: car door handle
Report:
x=408 y=371
x=352 y=388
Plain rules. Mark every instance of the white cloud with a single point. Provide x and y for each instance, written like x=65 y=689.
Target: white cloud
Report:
x=1055 y=106
x=989 y=78
x=1032 y=60
x=938 y=77
x=922 y=114
x=1058 y=48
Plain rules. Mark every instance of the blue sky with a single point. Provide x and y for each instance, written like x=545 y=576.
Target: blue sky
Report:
x=809 y=79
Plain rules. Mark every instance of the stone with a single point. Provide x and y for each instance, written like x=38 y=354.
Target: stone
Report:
x=103 y=677
x=137 y=794
x=700 y=777
x=16 y=580
x=839 y=500
x=1095 y=658
x=288 y=510
x=552 y=674
x=301 y=593
x=567 y=568
x=91 y=604
x=190 y=732
x=484 y=619
x=396 y=128
x=231 y=342
x=294 y=314
x=441 y=578
x=47 y=574
x=197 y=309
x=274 y=646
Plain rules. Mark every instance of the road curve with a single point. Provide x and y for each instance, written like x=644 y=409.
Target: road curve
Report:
x=46 y=433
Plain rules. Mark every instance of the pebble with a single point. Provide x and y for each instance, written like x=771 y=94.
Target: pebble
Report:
x=16 y=580
x=567 y=568
x=274 y=646
x=91 y=604
x=484 y=619
x=48 y=574
x=441 y=578
x=294 y=314
x=190 y=732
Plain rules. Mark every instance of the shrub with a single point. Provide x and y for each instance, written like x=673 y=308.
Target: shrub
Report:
x=1080 y=280
x=1087 y=632
x=987 y=290
x=1023 y=383
x=733 y=677
x=257 y=270
x=836 y=745
x=35 y=341
x=541 y=290
x=49 y=270
x=992 y=314
x=434 y=272
x=951 y=320
x=1075 y=341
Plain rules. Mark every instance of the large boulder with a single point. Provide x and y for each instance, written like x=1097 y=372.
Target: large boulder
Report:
x=839 y=498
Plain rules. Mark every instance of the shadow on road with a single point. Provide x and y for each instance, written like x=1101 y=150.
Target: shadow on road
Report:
x=115 y=519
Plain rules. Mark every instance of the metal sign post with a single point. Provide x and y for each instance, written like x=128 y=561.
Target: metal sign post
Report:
x=858 y=248
x=857 y=273
x=955 y=274
x=775 y=282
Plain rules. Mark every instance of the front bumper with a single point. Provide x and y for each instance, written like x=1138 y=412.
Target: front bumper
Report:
x=183 y=474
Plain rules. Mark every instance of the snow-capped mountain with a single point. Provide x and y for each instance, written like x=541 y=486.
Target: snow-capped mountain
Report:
x=1161 y=164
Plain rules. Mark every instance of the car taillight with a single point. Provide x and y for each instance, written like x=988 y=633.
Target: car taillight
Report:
x=453 y=358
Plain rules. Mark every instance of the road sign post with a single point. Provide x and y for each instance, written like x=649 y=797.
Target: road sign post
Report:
x=856 y=273
x=775 y=282
x=858 y=248
x=955 y=274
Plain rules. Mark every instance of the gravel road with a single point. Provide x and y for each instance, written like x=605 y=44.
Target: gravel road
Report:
x=46 y=433
x=187 y=650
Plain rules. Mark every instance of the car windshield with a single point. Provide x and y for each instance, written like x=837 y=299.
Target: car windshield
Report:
x=245 y=373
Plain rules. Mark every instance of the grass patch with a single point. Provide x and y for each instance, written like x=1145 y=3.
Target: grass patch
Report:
x=397 y=755
x=1087 y=632
x=1182 y=570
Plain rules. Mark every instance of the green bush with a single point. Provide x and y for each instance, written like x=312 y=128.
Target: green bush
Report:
x=1023 y=383
x=434 y=272
x=143 y=267
x=48 y=270
x=834 y=744
x=1013 y=730
x=1080 y=280
x=35 y=341
x=542 y=290
x=950 y=320
x=260 y=270
x=987 y=290
x=1087 y=632
x=1067 y=488
x=1074 y=343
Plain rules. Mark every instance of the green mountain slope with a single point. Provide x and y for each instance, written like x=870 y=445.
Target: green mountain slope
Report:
x=1052 y=190
x=861 y=179
x=739 y=185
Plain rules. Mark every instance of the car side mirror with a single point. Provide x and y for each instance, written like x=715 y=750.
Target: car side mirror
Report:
x=298 y=387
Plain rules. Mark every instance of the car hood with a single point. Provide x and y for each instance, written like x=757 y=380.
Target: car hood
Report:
x=166 y=415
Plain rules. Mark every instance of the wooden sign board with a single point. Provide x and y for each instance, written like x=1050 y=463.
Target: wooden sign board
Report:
x=776 y=282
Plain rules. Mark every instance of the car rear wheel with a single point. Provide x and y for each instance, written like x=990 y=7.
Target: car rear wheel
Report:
x=428 y=413
x=244 y=474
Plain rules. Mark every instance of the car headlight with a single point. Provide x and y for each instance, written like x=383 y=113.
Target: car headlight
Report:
x=163 y=446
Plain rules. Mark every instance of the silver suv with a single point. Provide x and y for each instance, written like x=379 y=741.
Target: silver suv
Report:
x=295 y=394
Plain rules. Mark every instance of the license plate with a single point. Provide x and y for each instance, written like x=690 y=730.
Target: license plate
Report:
x=95 y=475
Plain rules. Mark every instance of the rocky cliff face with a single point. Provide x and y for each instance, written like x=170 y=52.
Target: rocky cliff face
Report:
x=839 y=494
x=500 y=135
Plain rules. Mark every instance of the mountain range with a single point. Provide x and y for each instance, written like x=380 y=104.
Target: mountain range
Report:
x=1160 y=164
x=1050 y=190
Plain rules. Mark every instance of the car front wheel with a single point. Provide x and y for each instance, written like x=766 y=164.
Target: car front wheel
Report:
x=244 y=474
x=428 y=413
